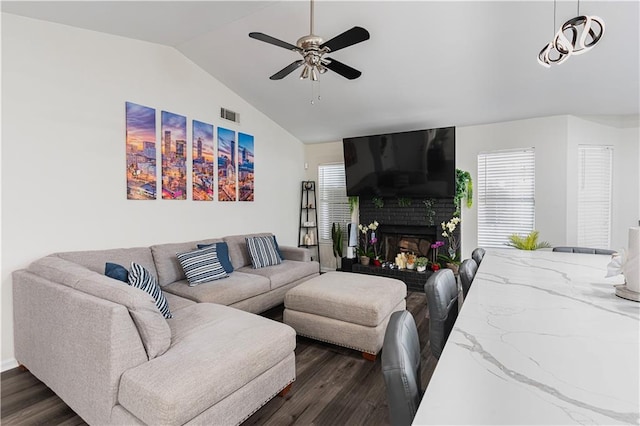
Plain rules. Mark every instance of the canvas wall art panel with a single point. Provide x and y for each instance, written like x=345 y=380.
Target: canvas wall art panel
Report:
x=202 y=154
x=245 y=167
x=141 y=152
x=174 y=156
x=227 y=165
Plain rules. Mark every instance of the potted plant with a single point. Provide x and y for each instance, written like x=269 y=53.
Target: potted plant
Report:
x=337 y=238
x=451 y=259
x=367 y=246
x=528 y=242
x=421 y=264
x=411 y=260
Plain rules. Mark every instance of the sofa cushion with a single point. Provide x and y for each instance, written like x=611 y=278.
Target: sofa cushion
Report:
x=285 y=273
x=166 y=262
x=117 y=272
x=217 y=350
x=238 y=286
x=176 y=302
x=263 y=252
x=153 y=328
x=96 y=259
x=238 y=252
x=142 y=279
x=201 y=265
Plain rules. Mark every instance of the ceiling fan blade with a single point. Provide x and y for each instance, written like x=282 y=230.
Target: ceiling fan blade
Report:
x=348 y=38
x=287 y=70
x=274 y=41
x=344 y=70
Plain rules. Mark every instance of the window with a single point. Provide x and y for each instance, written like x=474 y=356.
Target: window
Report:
x=506 y=195
x=333 y=203
x=595 y=165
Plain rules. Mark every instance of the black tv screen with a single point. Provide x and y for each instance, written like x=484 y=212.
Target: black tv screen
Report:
x=420 y=163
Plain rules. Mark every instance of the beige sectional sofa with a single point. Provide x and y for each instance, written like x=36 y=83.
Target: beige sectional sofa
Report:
x=106 y=350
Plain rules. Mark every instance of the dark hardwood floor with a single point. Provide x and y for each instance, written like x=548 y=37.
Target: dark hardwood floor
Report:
x=334 y=386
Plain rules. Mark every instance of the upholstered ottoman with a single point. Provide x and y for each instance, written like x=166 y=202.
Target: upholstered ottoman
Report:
x=346 y=309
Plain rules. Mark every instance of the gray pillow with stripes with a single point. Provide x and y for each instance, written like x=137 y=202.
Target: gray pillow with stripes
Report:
x=140 y=278
x=202 y=265
x=263 y=251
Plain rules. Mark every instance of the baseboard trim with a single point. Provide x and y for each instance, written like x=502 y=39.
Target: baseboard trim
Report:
x=9 y=364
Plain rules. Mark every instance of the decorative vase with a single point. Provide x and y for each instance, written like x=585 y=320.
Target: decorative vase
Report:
x=410 y=265
x=452 y=252
x=453 y=267
x=377 y=262
x=364 y=260
x=421 y=268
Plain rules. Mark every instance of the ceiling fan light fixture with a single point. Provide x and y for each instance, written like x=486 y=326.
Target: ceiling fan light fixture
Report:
x=314 y=75
x=305 y=72
x=322 y=69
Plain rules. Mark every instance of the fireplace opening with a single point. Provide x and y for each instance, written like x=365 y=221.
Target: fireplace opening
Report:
x=406 y=239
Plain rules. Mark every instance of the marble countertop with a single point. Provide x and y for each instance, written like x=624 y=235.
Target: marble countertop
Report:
x=541 y=339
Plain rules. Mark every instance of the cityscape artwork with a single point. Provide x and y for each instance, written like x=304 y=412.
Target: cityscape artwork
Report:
x=234 y=155
x=227 y=165
x=174 y=156
x=245 y=166
x=202 y=154
x=141 y=152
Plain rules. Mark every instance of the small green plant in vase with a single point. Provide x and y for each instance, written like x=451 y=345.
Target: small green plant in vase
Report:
x=421 y=264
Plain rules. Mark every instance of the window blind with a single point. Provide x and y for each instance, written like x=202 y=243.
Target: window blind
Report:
x=506 y=195
x=333 y=203
x=595 y=169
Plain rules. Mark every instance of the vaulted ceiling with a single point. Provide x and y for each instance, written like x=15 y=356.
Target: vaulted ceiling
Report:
x=427 y=64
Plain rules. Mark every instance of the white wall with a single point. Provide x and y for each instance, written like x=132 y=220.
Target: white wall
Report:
x=548 y=136
x=63 y=150
x=622 y=134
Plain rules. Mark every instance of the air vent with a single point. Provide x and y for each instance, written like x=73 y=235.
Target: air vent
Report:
x=227 y=114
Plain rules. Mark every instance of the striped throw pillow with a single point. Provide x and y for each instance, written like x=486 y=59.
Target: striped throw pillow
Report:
x=140 y=278
x=263 y=252
x=202 y=265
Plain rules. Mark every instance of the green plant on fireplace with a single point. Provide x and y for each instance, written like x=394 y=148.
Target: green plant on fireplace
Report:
x=422 y=261
x=378 y=202
x=431 y=212
x=404 y=202
x=464 y=189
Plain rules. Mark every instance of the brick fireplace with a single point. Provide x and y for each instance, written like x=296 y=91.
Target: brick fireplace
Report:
x=405 y=228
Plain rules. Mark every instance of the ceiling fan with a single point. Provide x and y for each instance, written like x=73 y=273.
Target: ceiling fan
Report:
x=313 y=50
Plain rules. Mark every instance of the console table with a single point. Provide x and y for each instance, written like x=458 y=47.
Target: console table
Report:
x=540 y=339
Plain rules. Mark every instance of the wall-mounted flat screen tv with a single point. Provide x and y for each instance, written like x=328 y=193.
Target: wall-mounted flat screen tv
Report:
x=420 y=163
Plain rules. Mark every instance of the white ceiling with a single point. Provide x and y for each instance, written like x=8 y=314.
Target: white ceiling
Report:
x=427 y=64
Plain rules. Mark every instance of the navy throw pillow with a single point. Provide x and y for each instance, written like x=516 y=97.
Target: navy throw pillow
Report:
x=117 y=272
x=278 y=247
x=223 y=255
